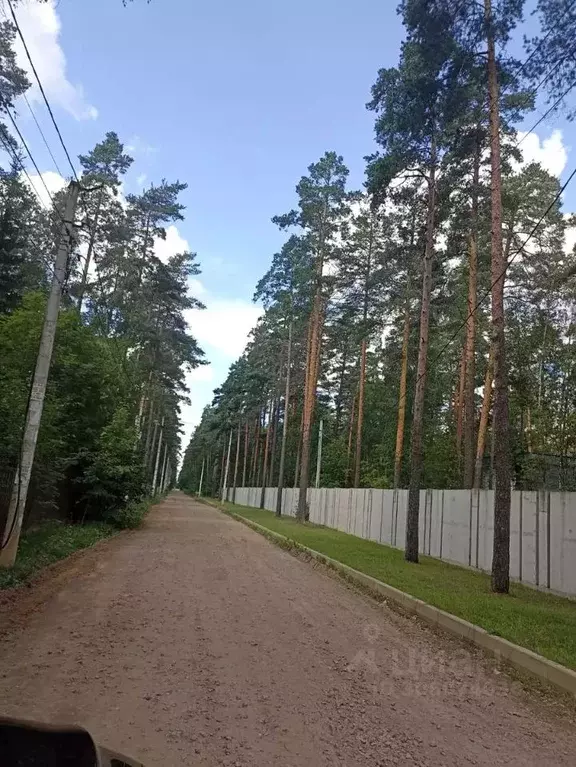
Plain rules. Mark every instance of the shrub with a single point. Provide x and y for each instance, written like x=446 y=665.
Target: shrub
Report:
x=129 y=517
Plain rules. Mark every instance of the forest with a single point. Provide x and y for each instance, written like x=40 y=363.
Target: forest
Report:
x=424 y=325
x=110 y=428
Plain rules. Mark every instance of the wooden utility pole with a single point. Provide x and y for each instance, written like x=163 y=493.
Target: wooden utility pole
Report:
x=319 y=453
x=500 y=426
x=158 y=451
x=285 y=424
x=11 y=536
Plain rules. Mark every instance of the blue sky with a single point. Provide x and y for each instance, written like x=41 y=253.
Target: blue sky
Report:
x=236 y=99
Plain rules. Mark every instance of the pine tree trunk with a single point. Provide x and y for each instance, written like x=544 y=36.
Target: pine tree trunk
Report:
x=484 y=415
x=402 y=393
x=90 y=250
x=529 y=430
x=272 y=461
x=312 y=370
x=350 y=438
x=221 y=477
x=285 y=424
x=266 y=453
x=297 y=466
x=255 y=450
x=149 y=425
x=236 y=459
x=459 y=405
x=501 y=550
x=245 y=457
x=362 y=385
x=359 y=420
x=469 y=410
x=340 y=397
x=416 y=459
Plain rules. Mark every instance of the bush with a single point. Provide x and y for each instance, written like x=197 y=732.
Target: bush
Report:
x=130 y=516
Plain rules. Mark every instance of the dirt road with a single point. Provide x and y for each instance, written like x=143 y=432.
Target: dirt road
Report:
x=195 y=641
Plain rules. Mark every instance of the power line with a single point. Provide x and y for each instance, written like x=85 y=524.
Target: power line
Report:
x=543 y=40
x=17 y=25
x=546 y=113
x=46 y=144
x=11 y=151
x=28 y=152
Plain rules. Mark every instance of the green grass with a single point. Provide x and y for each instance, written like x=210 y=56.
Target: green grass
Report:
x=542 y=622
x=49 y=543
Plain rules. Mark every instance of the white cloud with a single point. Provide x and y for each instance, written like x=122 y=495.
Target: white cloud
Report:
x=40 y=26
x=196 y=287
x=173 y=244
x=224 y=325
x=201 y=373
x=550 y=152
x=570 y=240
x=222 y=330
x=137 y=145
x=53 y=181
x=141 y=179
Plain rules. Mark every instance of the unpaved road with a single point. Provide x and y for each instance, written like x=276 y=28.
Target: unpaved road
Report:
x=195 y=641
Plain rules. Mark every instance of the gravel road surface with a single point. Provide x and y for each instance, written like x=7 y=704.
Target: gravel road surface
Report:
x=195 y=641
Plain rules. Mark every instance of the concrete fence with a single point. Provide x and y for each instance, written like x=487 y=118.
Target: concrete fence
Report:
x=455 y=525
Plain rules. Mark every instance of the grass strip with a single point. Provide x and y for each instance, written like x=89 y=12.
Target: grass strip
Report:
x=542 y=622
x=48 y=544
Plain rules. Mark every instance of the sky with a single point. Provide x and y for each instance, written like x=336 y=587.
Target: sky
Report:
x=236 y=99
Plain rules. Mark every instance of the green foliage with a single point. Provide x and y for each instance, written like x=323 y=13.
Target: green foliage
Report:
x=122 y=346
x=48 y=544
x=130 y=516
x=365 y=252
x=114 y=472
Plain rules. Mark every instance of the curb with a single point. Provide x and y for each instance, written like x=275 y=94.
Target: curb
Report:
x=503 y=650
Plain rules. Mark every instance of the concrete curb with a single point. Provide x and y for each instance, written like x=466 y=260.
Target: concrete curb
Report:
x=519 y=657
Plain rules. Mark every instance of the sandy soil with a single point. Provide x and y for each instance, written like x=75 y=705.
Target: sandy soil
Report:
x=195 y=641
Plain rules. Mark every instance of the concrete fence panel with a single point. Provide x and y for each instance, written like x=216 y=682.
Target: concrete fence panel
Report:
x=455 y=525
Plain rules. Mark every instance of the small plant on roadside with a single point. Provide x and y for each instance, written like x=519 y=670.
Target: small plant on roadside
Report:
x=129 y=517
